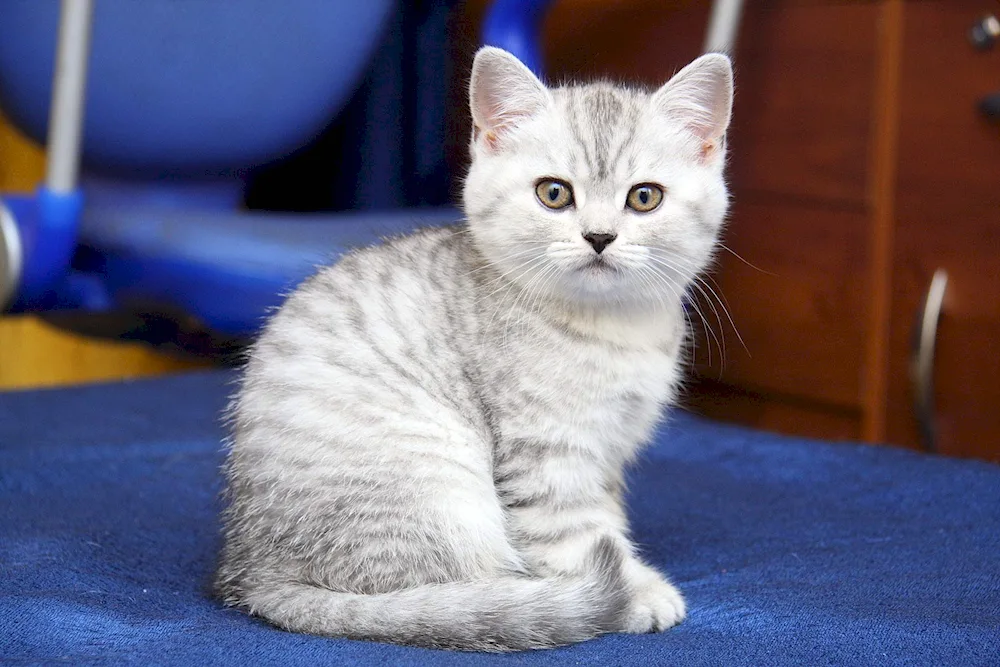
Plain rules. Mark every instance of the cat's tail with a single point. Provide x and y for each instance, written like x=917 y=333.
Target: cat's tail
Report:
x=506 y=614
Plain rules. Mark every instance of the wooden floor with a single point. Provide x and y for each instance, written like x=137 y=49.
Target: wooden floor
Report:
x=34 y=354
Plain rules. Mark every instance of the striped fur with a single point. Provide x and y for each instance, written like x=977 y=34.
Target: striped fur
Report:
x=429 y=439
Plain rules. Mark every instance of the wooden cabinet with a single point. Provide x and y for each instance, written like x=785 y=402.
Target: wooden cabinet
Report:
x=916 y=191
x=948 y=217
x=806 y=164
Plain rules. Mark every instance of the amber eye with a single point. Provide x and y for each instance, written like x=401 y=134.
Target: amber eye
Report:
x=554 y=194
x=644 y=197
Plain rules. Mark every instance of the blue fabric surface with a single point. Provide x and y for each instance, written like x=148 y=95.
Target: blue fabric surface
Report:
x=790 y=552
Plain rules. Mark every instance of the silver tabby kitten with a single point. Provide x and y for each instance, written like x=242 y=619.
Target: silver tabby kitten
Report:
x=429 y=440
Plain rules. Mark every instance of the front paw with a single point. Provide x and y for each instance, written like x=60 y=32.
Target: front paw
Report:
x=656 y=604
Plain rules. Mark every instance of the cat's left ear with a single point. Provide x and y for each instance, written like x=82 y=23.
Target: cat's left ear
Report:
x=503 y=92
x=700 y=97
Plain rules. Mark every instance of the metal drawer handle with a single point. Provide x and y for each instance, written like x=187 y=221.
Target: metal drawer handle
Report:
x=10 y=257
x=985 y=33
x=990 y=106
x=922 y=361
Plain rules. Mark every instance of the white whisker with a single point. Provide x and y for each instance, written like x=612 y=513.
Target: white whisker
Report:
x=737 y=256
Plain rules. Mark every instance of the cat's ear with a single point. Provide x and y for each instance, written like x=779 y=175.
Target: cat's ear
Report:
x=502 y=93
x=700 y=97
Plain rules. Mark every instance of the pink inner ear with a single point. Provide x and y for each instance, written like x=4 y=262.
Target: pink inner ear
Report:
x=500 y=119
x=708 y=149
x=498 y=123
x=489 y=136
x=699 y=97
x=492 y=140
x=503 y=94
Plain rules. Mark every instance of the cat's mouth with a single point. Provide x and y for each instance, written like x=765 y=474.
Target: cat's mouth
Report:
x=599 y=265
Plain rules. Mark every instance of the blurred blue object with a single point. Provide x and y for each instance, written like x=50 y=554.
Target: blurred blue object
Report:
x=226 y=271
x=46 y=238
x=388 y=148
x=515 y=26
x=180 y=94
x=193 y=88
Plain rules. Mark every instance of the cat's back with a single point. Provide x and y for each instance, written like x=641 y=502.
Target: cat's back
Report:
x=382 y=293
x=384 y=327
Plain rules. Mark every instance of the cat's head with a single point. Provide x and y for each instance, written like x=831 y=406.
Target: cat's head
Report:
x=598 y=193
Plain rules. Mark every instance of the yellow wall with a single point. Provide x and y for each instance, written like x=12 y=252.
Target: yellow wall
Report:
x=33 y=354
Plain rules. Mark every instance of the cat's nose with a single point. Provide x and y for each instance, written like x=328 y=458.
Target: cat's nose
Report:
x=599 y=241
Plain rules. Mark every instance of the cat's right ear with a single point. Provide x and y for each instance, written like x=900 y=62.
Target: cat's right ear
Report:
x=502 y=93
x=700 y=98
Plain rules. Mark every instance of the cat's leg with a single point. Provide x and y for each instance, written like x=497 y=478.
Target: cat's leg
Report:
x=559 y=508
x=656 y=604
x=363 y=497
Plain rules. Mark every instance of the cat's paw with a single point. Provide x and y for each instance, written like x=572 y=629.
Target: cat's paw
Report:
x=656 y=605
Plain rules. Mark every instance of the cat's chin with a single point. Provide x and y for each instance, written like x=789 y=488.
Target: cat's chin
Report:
x=599 y=266
x=612 y=289
x=597 y=277
x=601 y=286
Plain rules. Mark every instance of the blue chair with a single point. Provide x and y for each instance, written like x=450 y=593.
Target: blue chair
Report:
x=182 y=100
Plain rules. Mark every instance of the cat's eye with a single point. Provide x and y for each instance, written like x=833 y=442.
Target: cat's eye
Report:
x=644 y=197
x=554 y=194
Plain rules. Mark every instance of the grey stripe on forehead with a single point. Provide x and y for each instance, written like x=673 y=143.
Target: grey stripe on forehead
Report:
x=597 y=115
x=578 y=125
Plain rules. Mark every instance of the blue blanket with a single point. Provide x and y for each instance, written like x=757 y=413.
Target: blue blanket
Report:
x=790 y=552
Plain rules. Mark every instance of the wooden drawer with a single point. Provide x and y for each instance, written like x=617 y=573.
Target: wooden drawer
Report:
x=805 y=76
x=639 y=41
x=799 y=309
x=967 y=355
x=948 y=216
x=784 y=414
x=948 y=152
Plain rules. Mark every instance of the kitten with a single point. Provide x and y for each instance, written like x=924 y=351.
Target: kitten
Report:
x=429 y=440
